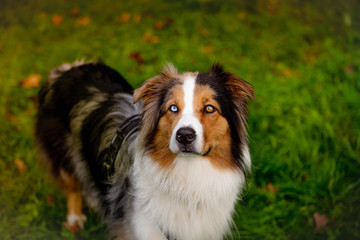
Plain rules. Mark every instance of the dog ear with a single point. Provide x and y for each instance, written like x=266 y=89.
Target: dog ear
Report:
x=240 y=87
x=146 y=90
x=155 y=84
x=236 y=85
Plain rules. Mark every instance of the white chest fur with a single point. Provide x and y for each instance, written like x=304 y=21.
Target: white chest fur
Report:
x=190 y=200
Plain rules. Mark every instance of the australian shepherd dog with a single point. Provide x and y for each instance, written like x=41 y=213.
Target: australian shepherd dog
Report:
x=165 y=161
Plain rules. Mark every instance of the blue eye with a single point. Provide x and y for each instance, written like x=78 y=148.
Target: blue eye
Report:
x=173 y=109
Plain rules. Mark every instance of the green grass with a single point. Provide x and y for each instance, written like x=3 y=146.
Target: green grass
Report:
x=303 y=59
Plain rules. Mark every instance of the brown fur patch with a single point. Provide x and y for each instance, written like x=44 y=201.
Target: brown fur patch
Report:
x=72 y=189
x=151 y=94
x=215 y=128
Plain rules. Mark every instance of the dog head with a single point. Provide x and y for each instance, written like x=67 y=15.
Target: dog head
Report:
x=195 y=114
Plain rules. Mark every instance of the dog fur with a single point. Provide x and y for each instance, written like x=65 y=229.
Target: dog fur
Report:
x=176 y=175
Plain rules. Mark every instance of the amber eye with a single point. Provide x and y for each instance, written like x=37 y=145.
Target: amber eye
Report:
x=209 y=109
x=173 y=109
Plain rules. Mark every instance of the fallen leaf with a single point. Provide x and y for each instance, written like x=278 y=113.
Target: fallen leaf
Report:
x=272 y=6
x=242 y=15
x=286 y=72
x=137 y=57
x=159 y=25
x=32 y=81
x=169 y=21
x=137 y=18
x=125 y=17
x=57 y=19
x=50 y=199
x=148 y=37
x=204 y=32
x=154 y=39
x=271 y=188
x=83 y=21
x=207 y=50
x=20 y=165
x=75 y=12
x=320 y=221
x=10 y=117
x=349 y=69
x=42 y=14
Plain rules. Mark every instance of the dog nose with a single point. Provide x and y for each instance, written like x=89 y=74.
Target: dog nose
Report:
x=185 y=135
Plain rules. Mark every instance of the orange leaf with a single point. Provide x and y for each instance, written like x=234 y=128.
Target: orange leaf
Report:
x=155 y=39
x=75 y=12
x=125 y=17
x=286 y=72
x=137 y=18
x=9 y=116
x=349 y=69
x=204 y=32
x=57 y=19
x=159 y=25
x=242 y=15
x=271 y=188
x=42 y=14
x=148 y=37
x=32 y=81
x=83 y=21
x=20 y=165
x=320 y=221
x=207 y=50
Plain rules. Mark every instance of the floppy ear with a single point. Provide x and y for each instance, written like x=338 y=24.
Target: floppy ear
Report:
x=155 y=84
x=145 y=91
x=240 y=87
x=237 y=86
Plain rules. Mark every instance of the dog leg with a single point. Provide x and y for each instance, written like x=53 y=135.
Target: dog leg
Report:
x=75 y=217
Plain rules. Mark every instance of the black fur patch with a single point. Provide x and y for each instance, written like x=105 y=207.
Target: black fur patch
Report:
x=57 y=100
x=216 y=79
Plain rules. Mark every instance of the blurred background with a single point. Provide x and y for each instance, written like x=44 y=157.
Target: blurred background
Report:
x=302 y=57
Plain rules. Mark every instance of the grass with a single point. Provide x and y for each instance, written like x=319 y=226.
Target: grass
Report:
x=303 y=59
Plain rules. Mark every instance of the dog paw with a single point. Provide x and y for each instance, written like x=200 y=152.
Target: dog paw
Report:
x=75 y=223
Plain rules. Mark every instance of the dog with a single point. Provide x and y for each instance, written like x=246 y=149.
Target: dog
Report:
x=165 y=161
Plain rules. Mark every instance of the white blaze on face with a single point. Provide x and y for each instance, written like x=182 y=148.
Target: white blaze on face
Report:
x=188 y=118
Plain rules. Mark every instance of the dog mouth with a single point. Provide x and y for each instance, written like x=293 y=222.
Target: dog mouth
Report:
x=189 y=151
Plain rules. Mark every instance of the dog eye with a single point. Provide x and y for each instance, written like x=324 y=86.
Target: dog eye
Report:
x=209 y=109
x=173 y=109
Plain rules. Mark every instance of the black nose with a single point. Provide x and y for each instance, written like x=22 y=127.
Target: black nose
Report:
x=185 y=135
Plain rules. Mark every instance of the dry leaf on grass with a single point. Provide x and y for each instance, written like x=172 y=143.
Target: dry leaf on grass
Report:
x=137 y=57
x=50 y=200
x=75 y=12
x=159 y=25
x=57 y=19
x=148 y=37
x=31 y=81
x=10 y=117
x=271 y=188
x=83 y=21
x=320 y=221
x=137 y=18
x=125 y=17
x=20 y=165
